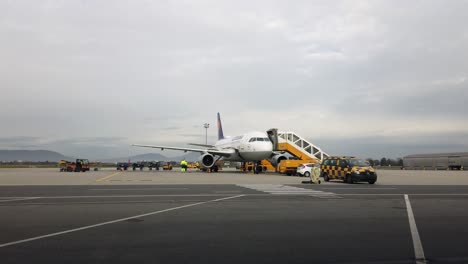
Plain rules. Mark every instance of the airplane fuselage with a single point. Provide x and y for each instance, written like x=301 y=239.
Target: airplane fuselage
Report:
x=253 y=146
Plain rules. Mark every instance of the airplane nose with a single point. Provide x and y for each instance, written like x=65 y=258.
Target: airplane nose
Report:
x=267 y=147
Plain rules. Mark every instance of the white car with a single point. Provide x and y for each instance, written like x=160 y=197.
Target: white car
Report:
x=304 y=170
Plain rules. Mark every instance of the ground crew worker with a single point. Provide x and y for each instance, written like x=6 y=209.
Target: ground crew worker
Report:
x=315 y=174
x=183 y=165
x=79 y=165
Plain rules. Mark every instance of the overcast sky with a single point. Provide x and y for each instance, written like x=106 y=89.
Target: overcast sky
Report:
x=368 y=78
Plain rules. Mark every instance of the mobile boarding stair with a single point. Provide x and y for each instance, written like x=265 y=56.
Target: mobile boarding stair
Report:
x=295 y=145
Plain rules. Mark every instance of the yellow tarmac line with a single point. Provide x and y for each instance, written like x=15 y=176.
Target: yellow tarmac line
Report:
x=107 y=177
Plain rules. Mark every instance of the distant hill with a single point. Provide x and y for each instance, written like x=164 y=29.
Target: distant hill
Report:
x=31 y=155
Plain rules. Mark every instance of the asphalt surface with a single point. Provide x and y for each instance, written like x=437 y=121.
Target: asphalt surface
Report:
x=252 y=223
x=107 y=176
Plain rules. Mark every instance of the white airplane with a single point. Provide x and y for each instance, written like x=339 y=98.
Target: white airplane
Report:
x=250 y=147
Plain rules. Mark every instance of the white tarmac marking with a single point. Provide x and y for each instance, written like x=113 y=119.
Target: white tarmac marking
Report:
x=107 y=202
x=18 y=199
x=113 y=221
x=141 y=189
x=418 y=248
x=117 y=196
x=220 y=194
x=413 y=194
x=279 y=189
x=370 y=188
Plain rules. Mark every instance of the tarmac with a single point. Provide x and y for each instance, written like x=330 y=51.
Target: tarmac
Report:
x=51 y=176
x=230 y=217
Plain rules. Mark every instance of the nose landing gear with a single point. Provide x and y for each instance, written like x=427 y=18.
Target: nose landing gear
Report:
x=258 y=167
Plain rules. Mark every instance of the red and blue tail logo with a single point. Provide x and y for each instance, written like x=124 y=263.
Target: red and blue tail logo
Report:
x=220 y=128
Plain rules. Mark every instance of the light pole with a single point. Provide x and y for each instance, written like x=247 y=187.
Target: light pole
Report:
x=206 y=125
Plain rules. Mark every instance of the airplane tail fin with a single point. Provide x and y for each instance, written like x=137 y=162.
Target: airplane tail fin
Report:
x=220 y=128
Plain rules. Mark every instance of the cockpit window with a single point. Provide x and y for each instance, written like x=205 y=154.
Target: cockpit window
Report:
x=252 y=139
x=266 y=139
x=259 y=139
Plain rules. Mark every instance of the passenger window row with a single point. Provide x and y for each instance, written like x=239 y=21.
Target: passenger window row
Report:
x=259 y=139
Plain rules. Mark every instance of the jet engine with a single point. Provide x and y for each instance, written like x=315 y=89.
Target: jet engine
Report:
x=277 y=158
x=206 y=160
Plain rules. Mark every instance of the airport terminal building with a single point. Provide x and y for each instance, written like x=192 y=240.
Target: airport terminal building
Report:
x=441 y=161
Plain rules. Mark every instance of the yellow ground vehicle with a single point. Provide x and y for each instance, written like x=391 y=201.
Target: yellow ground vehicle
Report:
x=166 y=165
x=348 y=169
x=249 y=166
x=289 y=167
x=63 y=165
x=192 y=165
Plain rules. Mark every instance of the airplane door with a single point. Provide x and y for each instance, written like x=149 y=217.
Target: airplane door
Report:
x=273 y=136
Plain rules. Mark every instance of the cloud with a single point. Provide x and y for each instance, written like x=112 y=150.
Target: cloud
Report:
x=20 y=142
x=395 y=146
x=154 y=72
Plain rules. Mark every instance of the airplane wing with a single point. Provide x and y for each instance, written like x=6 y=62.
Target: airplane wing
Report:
x=201 y=145
x=173 y=148
x=223 y=152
